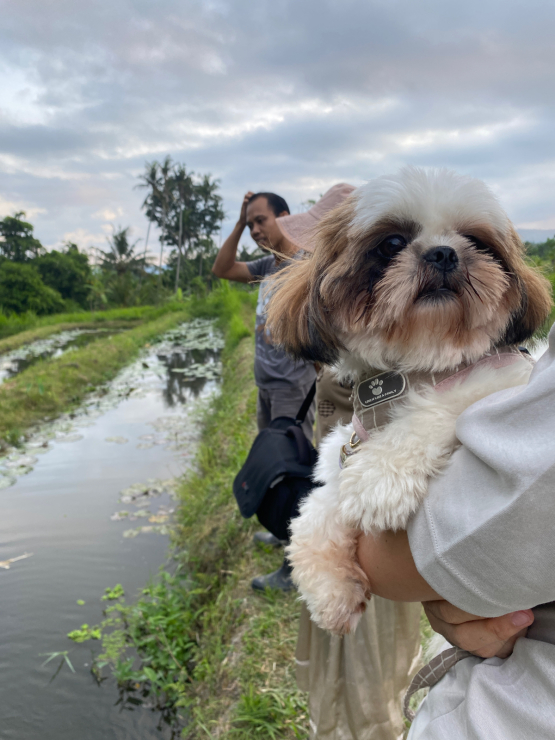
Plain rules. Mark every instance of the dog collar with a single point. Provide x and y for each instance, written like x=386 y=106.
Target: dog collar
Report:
x=377 y=392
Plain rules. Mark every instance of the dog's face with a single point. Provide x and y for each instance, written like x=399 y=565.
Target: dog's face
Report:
x=419 y=270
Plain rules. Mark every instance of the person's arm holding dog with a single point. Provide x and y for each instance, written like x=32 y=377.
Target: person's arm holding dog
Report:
x=226 y=265
x=387 y=561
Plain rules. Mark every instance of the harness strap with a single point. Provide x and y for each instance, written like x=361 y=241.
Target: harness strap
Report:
x=495 y=361
x=362 y=434
x=431 y=674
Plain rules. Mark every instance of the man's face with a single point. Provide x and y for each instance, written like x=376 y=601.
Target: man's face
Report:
x=261 y=221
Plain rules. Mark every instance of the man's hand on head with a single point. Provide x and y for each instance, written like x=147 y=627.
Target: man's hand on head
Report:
x=486 y=638
x=244 y=204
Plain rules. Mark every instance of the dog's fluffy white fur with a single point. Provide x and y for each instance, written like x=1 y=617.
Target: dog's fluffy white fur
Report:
x=379 y=488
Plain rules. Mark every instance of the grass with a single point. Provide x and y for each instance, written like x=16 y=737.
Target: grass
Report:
x=242 y=681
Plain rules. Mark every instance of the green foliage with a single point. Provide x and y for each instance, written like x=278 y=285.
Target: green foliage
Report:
x=22 y=290
x=229 y=305
x=64 y=660
x=263 y=713
x=67 y=272
x=17 y=242
x=542 y=255
x=121 y=259
x=161 y=627
x=53 y=386
x=544 y=251
x=111 y=594
x=45 y=279
x=85 y=633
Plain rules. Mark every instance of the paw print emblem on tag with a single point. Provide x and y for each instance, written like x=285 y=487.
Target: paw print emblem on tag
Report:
x=376 y=386
x=379 y=388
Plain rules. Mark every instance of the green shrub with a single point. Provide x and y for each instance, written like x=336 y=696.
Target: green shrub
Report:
x=67 y=272
x=22 y=290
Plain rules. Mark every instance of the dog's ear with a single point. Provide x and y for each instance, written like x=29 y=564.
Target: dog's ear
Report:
x=535 y=296
x=289 y=312
x=306 y=295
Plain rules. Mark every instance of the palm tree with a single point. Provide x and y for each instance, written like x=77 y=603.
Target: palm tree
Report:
x=121 y=258
x=158 y=179
x=185 y=196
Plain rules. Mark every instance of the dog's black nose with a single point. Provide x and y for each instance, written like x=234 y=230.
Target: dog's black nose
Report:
x=443 y=258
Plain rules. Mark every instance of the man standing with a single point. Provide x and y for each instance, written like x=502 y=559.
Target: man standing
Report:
x=283 y=384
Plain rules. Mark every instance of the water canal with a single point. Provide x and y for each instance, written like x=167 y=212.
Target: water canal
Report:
x=88 y=501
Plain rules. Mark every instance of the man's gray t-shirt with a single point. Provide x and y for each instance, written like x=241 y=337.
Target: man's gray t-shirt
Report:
x=272 y=367
x=484 y=540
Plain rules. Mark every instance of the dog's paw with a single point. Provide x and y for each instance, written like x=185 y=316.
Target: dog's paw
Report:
x=338 y=609
x=345 y=608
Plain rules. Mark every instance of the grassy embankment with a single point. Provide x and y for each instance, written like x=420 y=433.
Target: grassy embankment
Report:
x=208 y=644
x=15 y=331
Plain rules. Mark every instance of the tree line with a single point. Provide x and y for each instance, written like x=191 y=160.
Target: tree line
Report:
x=185 y=208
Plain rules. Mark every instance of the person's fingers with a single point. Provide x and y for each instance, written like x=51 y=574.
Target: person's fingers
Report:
x=485 y=637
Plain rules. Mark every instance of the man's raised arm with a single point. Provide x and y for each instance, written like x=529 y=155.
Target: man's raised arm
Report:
x=225 y=265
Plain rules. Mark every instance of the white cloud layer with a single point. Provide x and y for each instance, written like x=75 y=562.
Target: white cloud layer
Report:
x=273 y=95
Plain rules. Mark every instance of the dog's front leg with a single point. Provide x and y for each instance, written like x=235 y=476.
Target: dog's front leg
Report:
x=385 y=482
x=325 y=568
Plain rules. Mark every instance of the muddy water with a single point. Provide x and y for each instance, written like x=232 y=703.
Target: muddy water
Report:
x=74 y=499
x=14 y=362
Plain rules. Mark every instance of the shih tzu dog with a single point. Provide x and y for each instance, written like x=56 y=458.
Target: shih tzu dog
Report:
x=417 y=290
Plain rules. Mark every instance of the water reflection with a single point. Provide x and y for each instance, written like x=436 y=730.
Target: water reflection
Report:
x=188 y=373
x=64 y=498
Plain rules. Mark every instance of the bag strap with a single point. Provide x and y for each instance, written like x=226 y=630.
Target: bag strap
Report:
x=303 y=411
x=304 y=448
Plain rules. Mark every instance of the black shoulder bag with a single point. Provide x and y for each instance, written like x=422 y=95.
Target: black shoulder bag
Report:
x=276 y=475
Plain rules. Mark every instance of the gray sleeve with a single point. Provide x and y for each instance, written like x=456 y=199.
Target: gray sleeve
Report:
x=484 y=537
x=261 y=267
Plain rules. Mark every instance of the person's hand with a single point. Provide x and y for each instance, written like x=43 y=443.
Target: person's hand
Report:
x=243 y=216
x=486 y=638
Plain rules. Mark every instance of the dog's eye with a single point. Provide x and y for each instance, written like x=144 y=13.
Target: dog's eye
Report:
x=391 y=246
x=477 y=243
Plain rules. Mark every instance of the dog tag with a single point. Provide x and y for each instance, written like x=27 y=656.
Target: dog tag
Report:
x=380 y=388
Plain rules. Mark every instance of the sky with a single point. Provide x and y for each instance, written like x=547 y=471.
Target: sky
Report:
x=291 y=96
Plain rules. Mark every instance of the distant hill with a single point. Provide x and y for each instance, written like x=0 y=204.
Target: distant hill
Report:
x=536 y=235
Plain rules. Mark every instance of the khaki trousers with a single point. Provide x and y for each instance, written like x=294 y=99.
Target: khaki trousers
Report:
x=356 y=683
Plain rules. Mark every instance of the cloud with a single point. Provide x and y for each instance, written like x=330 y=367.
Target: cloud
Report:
x=277 y=95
